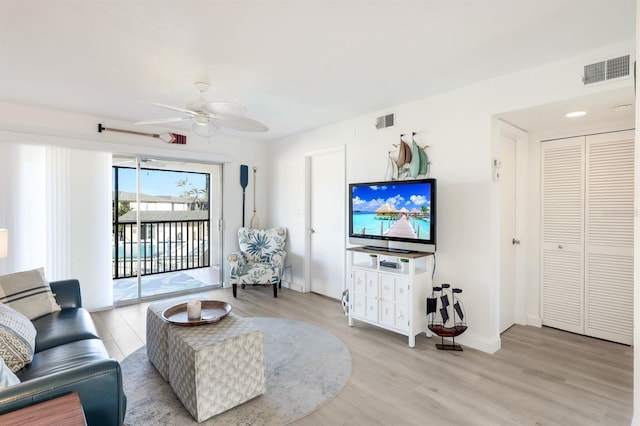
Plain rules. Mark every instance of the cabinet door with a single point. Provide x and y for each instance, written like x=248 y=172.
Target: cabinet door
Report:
x=372 y=308
x=387 y=299
x=359 y=281
x=387 y=287
x=402 y=303
x=387 y=313
x=402 y=293
x=372 y=296
x=394 y=301
x=358 y=298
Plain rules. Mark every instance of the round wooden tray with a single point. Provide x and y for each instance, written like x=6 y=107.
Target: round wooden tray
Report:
x=212 y=311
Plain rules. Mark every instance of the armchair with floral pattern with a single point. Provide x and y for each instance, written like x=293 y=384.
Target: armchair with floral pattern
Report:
x=260 y=259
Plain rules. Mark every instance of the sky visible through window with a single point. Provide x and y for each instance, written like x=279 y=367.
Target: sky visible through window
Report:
x=159 y=182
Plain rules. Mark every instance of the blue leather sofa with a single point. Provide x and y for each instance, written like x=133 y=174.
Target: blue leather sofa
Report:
x=70 y=357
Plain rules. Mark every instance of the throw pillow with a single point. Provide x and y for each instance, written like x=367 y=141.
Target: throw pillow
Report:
x=17 y=338
x=7 y=378
x=29 y=293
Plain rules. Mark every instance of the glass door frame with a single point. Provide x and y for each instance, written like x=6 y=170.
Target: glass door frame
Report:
x=215 y=220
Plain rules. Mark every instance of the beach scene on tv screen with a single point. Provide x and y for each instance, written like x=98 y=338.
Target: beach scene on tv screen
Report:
x=401 y=211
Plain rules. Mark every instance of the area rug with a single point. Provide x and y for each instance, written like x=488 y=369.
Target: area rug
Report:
x=306 y=367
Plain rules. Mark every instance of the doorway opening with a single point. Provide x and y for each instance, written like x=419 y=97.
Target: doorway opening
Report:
x=165 y=238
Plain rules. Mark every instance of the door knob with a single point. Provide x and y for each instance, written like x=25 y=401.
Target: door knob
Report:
x=311 y=230
x=515 y=242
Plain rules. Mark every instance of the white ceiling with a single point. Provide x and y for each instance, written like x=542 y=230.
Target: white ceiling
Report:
x=297 y=64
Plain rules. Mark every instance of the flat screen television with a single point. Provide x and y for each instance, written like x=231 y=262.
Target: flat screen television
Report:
x=397 y=216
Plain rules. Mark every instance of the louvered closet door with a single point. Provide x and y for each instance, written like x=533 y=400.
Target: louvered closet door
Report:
x=562 y=234
x=609 y=236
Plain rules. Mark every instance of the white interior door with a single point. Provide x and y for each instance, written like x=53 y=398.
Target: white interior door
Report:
x=327 y=222
x=508 y=237
x=609 y=236
x=563 y=234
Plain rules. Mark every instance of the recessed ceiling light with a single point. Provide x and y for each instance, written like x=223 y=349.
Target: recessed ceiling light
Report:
x=574 y=114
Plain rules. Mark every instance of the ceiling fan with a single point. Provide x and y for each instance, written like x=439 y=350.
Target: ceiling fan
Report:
x=209 y=117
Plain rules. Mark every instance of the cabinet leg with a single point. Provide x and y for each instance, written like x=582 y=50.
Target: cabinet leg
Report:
x=412 y=341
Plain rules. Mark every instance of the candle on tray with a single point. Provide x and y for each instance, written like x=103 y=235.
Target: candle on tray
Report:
x=194 y=310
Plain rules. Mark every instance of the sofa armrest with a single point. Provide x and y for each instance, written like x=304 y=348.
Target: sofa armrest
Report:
x=67 y=293
x=99 y=385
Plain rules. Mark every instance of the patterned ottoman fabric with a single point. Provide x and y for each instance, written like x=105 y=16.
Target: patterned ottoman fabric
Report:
x=215 y=367
x=157 y=349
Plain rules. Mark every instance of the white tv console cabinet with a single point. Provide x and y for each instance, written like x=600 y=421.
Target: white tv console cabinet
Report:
x=387 y=297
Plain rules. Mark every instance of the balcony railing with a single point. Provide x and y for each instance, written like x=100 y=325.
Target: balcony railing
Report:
x=165 y=246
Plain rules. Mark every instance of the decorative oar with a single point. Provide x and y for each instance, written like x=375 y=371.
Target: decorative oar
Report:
x=255 y=222
x=167 y=137
x=244 y=181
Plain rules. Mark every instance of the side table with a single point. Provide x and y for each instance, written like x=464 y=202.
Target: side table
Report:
x=65 y=410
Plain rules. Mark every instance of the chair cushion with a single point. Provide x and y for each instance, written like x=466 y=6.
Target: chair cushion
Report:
x=257 y=273
x=259 y=244
x=63 y=327
x=29 y=293
x=17 y=338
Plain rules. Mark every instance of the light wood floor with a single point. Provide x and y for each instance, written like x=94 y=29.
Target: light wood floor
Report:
x=540 y=376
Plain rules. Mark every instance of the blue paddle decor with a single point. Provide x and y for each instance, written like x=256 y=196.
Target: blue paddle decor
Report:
x=244 y=181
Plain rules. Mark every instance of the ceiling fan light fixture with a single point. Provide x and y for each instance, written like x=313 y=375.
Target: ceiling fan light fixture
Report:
x=201 y=86
x=201 y=120
x=207 y=130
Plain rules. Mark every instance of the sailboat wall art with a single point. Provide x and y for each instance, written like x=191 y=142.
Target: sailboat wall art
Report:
x=410 y=162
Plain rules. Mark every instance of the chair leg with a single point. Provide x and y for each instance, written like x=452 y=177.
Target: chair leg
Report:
x=235 y=290
x=275 y=290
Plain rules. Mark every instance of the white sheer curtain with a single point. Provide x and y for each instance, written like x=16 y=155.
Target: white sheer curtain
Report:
x=22 y=207
x=56 y=203
x=57 y=189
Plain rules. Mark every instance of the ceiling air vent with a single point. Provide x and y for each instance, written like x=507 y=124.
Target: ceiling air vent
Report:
x=384 y=121
x=606 y=70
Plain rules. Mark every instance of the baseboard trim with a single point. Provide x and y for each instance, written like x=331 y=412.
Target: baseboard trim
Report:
x=292 y=286
x=534 y=321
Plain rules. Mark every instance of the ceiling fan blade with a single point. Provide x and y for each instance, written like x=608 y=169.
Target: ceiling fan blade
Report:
x=170 y=107
x=165 y=120
x=226 y=110
x=244 y=125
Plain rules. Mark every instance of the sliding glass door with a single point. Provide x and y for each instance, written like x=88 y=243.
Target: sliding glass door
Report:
x=165 y=234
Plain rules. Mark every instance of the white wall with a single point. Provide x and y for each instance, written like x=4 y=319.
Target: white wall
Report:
x=458 y=128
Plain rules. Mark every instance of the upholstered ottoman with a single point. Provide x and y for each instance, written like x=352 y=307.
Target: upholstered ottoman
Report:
x=215 y=367
x=157 y=348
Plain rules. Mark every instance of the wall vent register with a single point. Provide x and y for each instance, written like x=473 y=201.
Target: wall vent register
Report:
x=606 y=70
x=385 y=121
